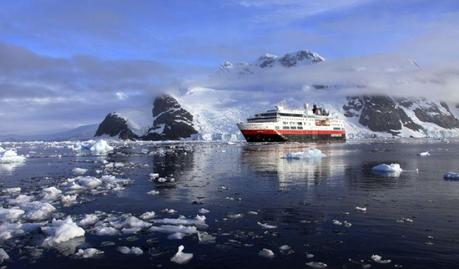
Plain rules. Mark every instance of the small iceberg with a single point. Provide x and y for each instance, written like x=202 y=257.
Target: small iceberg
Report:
x=379 y=259
x=266 y=253
x=11 y=157
x=101 y=147
x=424 y=154
x=317 y=265
x=308 y=154
x=88 y=253
x=391 y=170
x=181 y=257
x=130 y=251
x=61 y=231
x=451 y=176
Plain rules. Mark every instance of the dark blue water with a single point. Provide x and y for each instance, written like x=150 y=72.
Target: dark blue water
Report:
x=413 y=219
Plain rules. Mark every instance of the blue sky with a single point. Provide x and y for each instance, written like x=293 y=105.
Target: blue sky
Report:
x=59 y=52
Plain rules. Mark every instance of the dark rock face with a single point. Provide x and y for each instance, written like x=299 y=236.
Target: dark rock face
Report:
x=114 y=125
x=171 y=121
x=379 y=113
x=434 y=114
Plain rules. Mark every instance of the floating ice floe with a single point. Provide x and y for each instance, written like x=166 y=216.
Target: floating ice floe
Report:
x=171 y=229
x=181 y=257
x=391 y=170
x=266 y=226
x=89 y=219
x=286 y=250
x=361 y=209
x=3 y=256
x=130 y=251
x=79 y=171
x=153 y=192
x=10 y=214
x=206 y=238
x=94 y=184
x=266 y=253
x=203 y=211
x=379 y=259
x=101 y=147
x=68 y=200
x=88 y=253
x=51 y=194
x=148 y=215
x=37 y=210
x=317 y=265
x=61 y=231
x=105 y=231
x=12 y=190
x=10 y=157
x=169 y=211
x=21 y=199
x=308 y=154
x=451 y=176
x=405 y=220
x=424 y=154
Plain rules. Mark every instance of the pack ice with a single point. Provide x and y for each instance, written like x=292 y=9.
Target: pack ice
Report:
x=308 y=154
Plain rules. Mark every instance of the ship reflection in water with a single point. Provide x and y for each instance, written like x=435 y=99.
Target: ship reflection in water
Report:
x=271 y=159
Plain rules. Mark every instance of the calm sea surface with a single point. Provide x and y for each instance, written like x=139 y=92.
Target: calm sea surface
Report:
x=309 y=205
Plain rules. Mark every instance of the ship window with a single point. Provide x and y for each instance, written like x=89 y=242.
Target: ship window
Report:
x=286 y=127
x=300 y=123
x=300 y=127
x=336 y=128
x=293 y=127
x=277 y=127
x=292 y=123
x=285 y=123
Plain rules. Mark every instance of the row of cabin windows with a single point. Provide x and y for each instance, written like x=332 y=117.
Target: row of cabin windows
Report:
x=291 y=127
x=292 y=123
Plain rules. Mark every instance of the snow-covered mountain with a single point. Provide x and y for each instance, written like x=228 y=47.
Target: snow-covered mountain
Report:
x=211 y=109
x=216 y=111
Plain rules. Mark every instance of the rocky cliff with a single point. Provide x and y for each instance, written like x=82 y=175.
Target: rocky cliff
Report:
x=115 y=125
x=170 y=120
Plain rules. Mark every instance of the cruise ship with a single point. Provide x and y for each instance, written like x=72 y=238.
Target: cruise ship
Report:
x=293 y=125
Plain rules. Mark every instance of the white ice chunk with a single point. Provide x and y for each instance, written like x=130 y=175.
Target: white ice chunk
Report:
x=61 y=231
x=308 y=154
x=37 y=210
x=361 y=209
x=10 y=156
x=378 y=259
x=266 y=253
x=148 y=215
x=131 y=250
x=206 y=238
x=266 y=226
x=174 y=229
x=393 y=169
x=68 y=200
x=88 y=253
x=101 y=147
x=51 y=193
x=317 y=265
x=181 y=257
x=424 y=154
x=3 y=256
x=89 y=219
x=203 y=211
x=79 y=171
x=153 y=192
x=21 y=199
x=105 y=231
x=12 y=190
x=10 y=214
